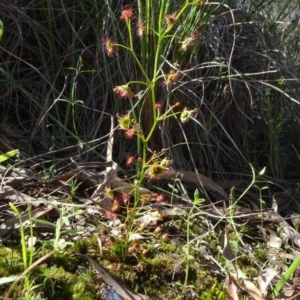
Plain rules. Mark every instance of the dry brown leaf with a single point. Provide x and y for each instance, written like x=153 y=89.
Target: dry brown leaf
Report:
x=231 y=288
x=246 y=285
x=149 y=218
x=265 y=279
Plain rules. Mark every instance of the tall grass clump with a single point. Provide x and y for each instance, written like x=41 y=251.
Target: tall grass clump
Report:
x=54 y=84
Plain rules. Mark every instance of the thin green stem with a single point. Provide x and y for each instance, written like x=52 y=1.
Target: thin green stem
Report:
x=136 y=59
x=160 y=39
x=286 y=276
x=138 y=82
x=129 y=28
x=183 y=9
x=154 y=113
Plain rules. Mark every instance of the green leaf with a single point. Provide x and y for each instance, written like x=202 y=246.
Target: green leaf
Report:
x=11 y=153
x=197 y=199
x=1 y=30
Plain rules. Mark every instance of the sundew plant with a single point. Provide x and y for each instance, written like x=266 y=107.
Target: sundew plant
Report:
x=151 y=36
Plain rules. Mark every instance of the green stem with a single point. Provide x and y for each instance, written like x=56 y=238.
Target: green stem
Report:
x=154 y=113
x=136 y=59
x=155 y=69
x=129 y=28
x=160 y=39
x=286 y=276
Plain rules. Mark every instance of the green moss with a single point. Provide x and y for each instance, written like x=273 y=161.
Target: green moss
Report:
x=168 y=247
x=160 y=271
x=261 y=253
x=10 y=261
x=59 y=284
x=215 y=292
x=81 y=246
x=65 y=260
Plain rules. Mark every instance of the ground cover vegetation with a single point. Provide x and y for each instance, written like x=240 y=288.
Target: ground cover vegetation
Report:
x=149 y=149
